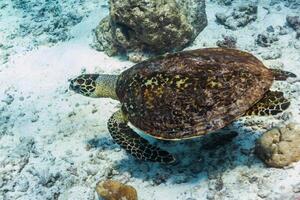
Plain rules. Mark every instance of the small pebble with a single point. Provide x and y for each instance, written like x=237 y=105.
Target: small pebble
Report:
x=263 y=193
x=296 y=188
x=22 y=185
x=94 y=110
x=70 y=114
x=8 y=99
x=253 y=179
x=270 y=55
x=35 y=118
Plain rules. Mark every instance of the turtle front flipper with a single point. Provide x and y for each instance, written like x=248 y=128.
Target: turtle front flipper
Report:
x=133 y=143
x=280 y=75
x=272 y=103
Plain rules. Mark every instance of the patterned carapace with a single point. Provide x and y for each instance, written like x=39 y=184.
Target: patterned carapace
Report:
x=190 y=93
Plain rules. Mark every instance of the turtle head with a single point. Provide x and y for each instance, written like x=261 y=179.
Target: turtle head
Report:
x=95 y=85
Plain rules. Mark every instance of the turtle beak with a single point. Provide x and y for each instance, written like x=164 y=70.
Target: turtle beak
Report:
x=74 y=85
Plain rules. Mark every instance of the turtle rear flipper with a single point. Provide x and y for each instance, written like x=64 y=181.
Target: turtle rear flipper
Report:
x=281 y=75
x=133 y=143
x=271 y=104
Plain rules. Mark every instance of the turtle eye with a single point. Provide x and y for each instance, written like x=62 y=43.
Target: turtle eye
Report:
x=80 y=81
x=75 y=85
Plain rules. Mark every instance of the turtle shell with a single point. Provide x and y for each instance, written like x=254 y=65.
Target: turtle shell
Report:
x=191 y=93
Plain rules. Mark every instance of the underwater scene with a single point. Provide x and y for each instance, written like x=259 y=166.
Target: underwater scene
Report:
x=149 y=100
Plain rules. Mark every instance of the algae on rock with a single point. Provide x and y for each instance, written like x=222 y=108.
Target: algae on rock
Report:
x=150 y=26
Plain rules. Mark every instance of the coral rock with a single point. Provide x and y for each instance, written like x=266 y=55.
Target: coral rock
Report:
x=113 y=190
x=155 y=26
x=280 y=147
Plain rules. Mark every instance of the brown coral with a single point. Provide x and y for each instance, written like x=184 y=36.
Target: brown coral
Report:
x=114 y=190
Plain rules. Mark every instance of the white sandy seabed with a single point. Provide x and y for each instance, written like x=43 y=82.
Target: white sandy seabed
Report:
x=54 y=144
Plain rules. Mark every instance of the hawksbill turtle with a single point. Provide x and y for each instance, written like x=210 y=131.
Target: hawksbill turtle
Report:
x=184 y=95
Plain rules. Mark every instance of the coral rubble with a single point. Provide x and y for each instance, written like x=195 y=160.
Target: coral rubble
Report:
x=239 y=17
x=227 y=42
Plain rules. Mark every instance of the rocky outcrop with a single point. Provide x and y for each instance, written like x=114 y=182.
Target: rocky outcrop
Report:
x=153 y=26
x=280 y=147
x=114 y=190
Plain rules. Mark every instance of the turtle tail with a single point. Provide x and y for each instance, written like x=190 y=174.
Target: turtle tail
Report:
x=280 y=75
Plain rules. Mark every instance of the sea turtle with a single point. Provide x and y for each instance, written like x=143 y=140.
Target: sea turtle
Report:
x=184 y=95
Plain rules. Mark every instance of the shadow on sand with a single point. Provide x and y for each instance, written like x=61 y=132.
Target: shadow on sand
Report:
x=197 y=159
